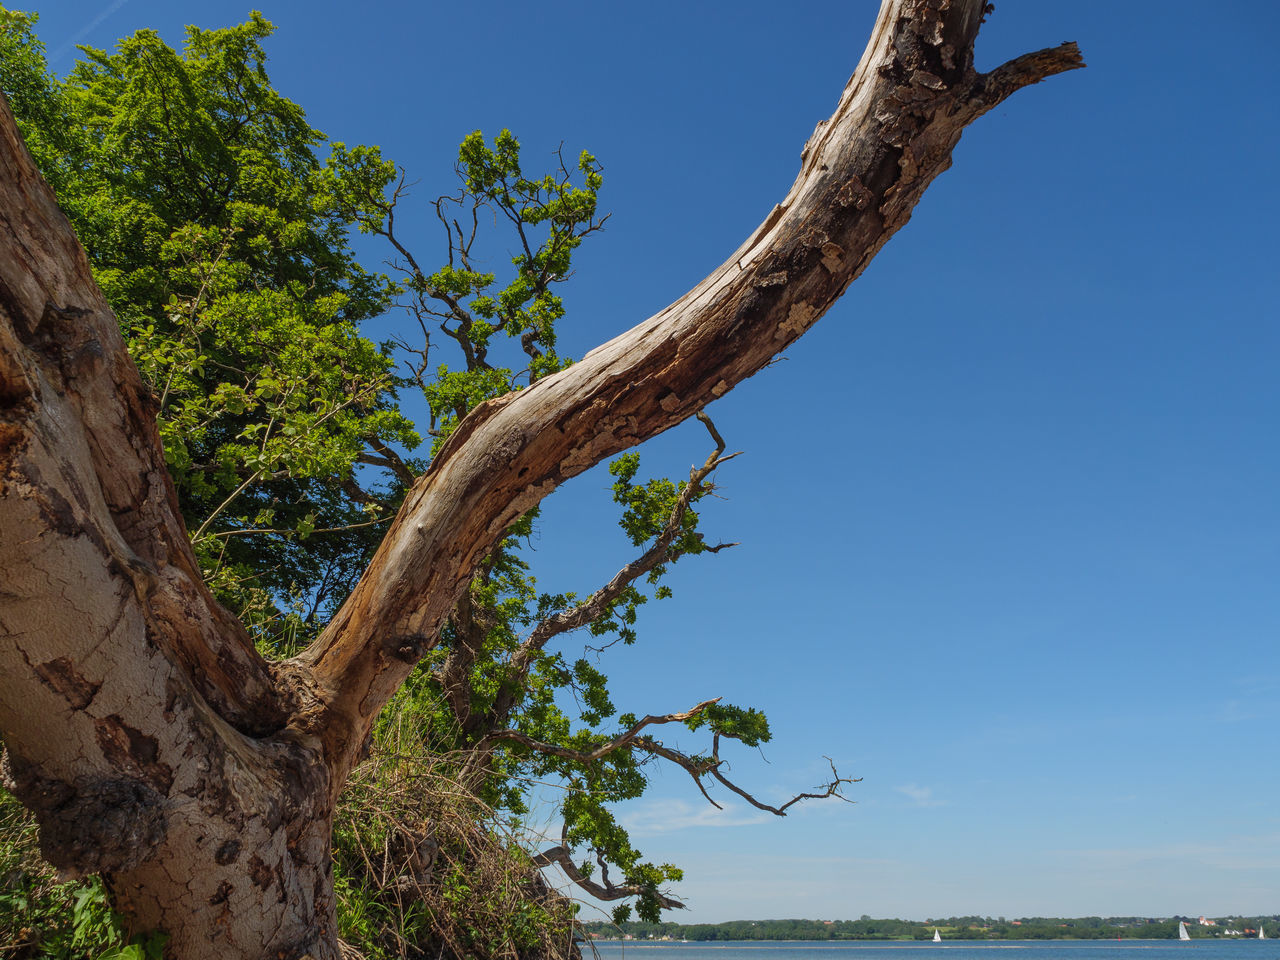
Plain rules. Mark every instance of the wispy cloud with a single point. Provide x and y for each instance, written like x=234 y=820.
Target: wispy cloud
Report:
x=64 y=48
x=1233 y=853
x=920 y=796
x=664 y=816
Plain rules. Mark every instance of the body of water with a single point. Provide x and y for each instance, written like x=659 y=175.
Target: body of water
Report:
x=947 y=950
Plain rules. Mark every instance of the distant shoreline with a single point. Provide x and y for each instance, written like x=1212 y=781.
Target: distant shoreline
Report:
x=952 y=929
x=908 y=940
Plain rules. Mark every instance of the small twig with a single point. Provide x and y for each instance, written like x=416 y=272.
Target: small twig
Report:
x=250 y=531
x=832 y=789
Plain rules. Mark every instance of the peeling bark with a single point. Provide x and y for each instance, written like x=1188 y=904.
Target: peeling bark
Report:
x=151 y=740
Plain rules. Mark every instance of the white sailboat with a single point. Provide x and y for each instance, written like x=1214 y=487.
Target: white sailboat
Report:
x=937 y=937
x=1261 y=935
x=1182 y=931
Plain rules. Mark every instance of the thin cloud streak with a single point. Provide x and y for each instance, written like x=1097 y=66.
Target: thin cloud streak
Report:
x=666 y=816
x=65 y=48
x=920 y=796
x=1235 y=854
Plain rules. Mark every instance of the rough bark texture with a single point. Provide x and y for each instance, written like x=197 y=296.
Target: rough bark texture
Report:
x=151 y=740
x=141 y=726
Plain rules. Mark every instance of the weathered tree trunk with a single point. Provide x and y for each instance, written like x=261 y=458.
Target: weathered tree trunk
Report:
x=141 y=726
x=151 y=740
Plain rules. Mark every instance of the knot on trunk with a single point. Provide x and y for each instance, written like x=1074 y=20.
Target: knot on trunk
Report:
x=93 y=825
x=407 y=648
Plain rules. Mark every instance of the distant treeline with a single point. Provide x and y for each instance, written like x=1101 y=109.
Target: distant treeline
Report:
x=952 y=928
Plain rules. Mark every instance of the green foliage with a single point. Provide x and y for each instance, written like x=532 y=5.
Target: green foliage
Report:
x=647 y=508
x=94 y=924
x=559 y=702
x=550 y=216
x=487 y=674
x=749 y=726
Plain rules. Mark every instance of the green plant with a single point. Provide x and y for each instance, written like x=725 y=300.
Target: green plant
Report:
x=95 y=925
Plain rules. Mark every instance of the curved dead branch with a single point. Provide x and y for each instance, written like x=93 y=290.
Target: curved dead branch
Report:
x=697 y=767
x=831 y=789
x=562 y=856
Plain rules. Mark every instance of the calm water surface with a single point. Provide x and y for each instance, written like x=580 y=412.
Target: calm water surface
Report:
x=952 y=950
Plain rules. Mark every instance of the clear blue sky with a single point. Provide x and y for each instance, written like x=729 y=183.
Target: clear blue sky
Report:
x=1009 y=523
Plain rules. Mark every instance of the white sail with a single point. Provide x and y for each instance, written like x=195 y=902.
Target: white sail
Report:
x=1261 y=935
x=937 y=937
x=1182 y=931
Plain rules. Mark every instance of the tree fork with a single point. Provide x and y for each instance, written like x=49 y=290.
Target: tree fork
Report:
x=152 y=741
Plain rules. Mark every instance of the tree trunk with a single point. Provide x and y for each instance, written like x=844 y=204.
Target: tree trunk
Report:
x=141 y=726
x=153 y=743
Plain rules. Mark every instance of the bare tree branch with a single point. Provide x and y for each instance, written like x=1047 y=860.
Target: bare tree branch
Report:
x=699 y=767
x=696 y=766
x=391 y=460
x=832 y=789
x=562 y=857
x=361 y=495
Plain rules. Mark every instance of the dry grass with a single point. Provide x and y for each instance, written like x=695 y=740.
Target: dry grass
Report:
x=423 y=869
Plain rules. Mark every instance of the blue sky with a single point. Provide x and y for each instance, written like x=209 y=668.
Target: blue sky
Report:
x=1009 y=523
